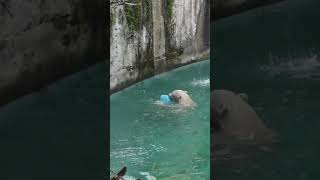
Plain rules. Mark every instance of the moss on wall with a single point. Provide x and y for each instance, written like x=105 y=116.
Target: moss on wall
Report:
x=148 y=10
x=170 y=8
x=133 y=16
x=112 y=19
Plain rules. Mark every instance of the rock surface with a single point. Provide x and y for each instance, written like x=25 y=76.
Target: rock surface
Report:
x=149 y=37
x=41 y=41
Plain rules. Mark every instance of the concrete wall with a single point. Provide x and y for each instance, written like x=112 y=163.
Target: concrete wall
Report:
x=153 y=36
x=42 y=40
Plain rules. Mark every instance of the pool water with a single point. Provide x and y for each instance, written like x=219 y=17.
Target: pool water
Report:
x=272 y=54
x=57 y=132
x=162 y=142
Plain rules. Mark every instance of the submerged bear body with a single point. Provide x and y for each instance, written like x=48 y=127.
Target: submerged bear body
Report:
x=233 y=116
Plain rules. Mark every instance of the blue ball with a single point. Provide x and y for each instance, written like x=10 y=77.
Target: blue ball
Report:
x=165 y=99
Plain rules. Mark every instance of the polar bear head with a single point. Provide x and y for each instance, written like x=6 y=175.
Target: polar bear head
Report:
x=178 y=95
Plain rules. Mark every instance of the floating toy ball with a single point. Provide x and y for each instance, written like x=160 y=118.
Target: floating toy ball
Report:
x=165 y=99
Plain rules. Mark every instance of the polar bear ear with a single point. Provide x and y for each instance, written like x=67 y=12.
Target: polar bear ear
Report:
x=186 y=92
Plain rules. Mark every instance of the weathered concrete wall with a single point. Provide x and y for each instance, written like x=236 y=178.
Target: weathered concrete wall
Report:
x=41 y=41
x=149 y=37
x=224 y=8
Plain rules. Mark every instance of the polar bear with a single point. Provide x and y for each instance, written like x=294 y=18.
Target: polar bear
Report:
x=232 y=115
x=181 y=97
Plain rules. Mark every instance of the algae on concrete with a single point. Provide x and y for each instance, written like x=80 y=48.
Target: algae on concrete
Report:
x=133 y=16
x=169 y=9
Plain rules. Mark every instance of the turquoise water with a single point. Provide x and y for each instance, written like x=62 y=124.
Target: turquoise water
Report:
x=58 y=132
x=158 y=142
x=272 y=54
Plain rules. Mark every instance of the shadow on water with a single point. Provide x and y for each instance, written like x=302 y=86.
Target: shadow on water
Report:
x=272 y=54
x=159 y=142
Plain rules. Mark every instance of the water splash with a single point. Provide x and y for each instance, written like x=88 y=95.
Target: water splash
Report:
x=129 y=152
x=148 y=176
x=307 y=67
x=175 y=108
x=129 y=178
x=201 y=82
x=160 y=103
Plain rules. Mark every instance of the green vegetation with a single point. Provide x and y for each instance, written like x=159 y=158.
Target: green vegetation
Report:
x=112 y=18
x=148 y=10
x=133 y=16
x=170 y=8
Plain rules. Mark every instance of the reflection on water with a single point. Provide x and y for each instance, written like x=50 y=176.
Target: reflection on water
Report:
x=163 y=142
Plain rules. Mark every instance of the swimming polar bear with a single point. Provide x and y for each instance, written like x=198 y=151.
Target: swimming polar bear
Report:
x=232 y=115
x=181 y=97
